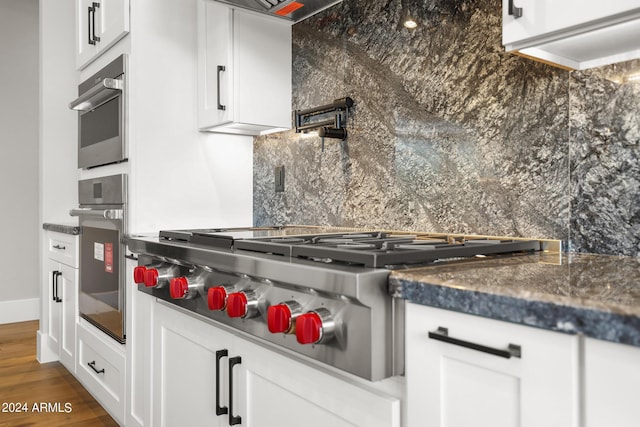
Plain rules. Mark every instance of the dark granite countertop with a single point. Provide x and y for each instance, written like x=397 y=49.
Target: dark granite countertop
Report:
x=596 y=295
x=72 y=229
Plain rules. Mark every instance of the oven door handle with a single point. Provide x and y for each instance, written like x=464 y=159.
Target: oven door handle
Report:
x=101 y=213
x=103 y=92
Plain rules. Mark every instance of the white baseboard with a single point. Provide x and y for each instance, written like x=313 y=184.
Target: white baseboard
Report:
x=19 y=310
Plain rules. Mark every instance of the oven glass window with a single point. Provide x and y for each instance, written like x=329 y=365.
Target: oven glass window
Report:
x=99 y=268
x=101 y=124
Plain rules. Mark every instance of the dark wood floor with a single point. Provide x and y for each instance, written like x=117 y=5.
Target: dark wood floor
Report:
x=53 y=397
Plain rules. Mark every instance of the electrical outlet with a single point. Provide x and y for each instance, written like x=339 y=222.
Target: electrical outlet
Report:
x=279 y=172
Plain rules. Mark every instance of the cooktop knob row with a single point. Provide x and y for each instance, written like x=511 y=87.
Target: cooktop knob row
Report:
x=311 y=327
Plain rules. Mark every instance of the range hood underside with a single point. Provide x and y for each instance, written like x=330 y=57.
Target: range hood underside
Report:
x=292 y=10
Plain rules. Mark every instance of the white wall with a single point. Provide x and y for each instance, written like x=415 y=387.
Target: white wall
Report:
x=180 y=178
x=19 y=251
x=58 y=124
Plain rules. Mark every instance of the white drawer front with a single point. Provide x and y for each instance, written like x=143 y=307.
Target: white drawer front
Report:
x=101 y=370
x=63 y=248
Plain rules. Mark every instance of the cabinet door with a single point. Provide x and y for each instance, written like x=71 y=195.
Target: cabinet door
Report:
x=273 y=390
x=186 y=387
x=262 y=70
x=611 y=378
x=215 y=96
x=244 y=70
x=99 y=25
x=55 y=308
x=544 y=17
x=455 y=386
x=68 y=290
x=112 y=21
x=85 y=48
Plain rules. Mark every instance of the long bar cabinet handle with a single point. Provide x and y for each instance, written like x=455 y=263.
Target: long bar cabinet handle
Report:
x=221 y=68
x=93 y=34
x=442 y=334
x=233 y=420
x=220 y=410
x=58 y=274
x=90 y=9
x=54 y=286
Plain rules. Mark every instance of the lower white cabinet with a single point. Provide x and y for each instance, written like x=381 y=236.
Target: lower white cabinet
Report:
x=57 y=335
x=186 y=384
x=455 y=381
x=611 y=377
x=204 y=376
x=101 y=369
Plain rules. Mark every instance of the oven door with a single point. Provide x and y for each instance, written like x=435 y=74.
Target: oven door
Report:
x=102 y=265
x=101 y=116
x=100 y=134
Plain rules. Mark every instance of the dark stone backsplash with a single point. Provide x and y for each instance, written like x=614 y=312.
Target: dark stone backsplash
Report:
x=451 y=134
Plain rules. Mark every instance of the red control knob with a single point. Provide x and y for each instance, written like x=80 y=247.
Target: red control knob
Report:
x=178 y=287
x=151 y=277
x=237 y=304
x=279 y=318
x=217 y=298
x=308 y=328
x=139 y=273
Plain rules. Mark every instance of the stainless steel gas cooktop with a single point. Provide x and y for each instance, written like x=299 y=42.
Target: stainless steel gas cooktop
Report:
x=317 y=293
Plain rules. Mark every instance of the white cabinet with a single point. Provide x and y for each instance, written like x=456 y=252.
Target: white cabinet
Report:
x=99 y=25
x=451 y=385
x=573 y=34
x=244 y=71
x=611 y=377
x=57 y=337
x=199 y=368
x=101 y=369
x=139 y=312
x=185 y=383
x=273 y=390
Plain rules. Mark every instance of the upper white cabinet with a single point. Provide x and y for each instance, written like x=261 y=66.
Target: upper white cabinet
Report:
x=244 y=71
x=99 y=25
x=485 y=372
x=573 y=34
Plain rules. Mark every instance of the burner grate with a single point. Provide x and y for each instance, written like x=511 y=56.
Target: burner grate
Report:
x=381 y=249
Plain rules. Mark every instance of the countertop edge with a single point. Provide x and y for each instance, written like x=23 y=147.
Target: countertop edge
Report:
x=599 y=324
x=73 y=230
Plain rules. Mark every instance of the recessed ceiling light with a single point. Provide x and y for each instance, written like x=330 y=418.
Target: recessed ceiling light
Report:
x=410 y=23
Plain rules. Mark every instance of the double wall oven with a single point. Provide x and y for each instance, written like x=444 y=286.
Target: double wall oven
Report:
x=102 y=216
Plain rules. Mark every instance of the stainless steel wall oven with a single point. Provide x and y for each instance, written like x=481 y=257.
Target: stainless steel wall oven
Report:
x=101 y=116
x=102 y=216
